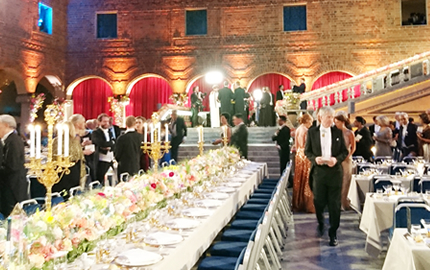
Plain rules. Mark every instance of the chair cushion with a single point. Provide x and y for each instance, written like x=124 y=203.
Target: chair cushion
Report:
x=259 y=200
x=56 y=200
x=261 y=196
x=249 y=215
x=254 y=207
x=236 y=235
x=31 y=209
x=247 y=224
x=218 y=263
x=228 y=249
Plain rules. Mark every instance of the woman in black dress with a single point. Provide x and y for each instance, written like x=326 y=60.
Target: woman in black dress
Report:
x=363 y=139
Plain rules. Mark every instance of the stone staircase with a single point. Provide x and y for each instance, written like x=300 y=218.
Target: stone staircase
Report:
x=260 y=146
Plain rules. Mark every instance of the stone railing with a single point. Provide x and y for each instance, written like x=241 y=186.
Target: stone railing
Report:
x=369 y=82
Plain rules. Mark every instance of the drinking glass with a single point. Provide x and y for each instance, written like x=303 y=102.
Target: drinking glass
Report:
x=415 y=231
x=379 y=193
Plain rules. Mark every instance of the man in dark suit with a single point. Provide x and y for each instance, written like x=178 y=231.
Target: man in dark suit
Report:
x=239 y=99
x=325 y=148
x=407 y=141
x=13 y=184
x=363 y=139
x=104 y=144
x=178 y=129
x=225 y=97
x=127 y=149
x=114 y=129
x=282 y=138
x=239 y=138
x=280 y=93
x=300 y=90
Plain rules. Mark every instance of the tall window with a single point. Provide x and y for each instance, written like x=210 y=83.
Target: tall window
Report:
x=414 y=12
x=107 y=25
x=295 y=18
x=45 y=19
x=196 y=22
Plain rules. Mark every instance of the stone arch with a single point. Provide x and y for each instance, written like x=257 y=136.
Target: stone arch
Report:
x=274 y=85
x=328 y=72
x=12 y=75
x=72 y=85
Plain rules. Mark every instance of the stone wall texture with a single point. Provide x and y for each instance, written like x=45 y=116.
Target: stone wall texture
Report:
x=245 y=39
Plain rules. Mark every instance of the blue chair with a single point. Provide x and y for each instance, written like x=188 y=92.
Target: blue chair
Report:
x=380 y=183
x=95 y=185
x=381 y=159
x=410 y=160
x=36 y=188
x=1 y=217
x=416 y=185
x=222 y=263
x=56 y=199
x=231 y=249
x=75 y=191
x=365 y=167
x=30 y=206
x=425 y=184
x=399 y=168
x=418 y=211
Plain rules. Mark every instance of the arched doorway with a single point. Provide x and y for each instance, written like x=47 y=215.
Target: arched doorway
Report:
x=48 y=90
x=330 y=78
x=204 y=87
x=90 y=97
x=147 y=93
x=271 y=80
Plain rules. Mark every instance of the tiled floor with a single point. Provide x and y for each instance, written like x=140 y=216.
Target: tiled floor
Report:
x=305 y=251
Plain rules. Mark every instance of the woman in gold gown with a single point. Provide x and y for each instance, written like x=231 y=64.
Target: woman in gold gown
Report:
x=303 y=199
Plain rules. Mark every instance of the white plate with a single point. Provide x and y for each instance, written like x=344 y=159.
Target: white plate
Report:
x=237 y=179
x=137 y=257
x=234 y=184
x=196 y=212
x=217 y=196
x=162 y=238
x=208 y=203
x=225 y=189
x=182 y=223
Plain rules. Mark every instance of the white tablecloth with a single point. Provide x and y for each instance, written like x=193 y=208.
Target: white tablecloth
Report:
x=185 y=254
x=405 y=254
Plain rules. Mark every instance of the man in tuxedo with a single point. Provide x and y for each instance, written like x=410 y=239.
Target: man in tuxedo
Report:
x=407 y=141
x=239 y=138
x=300 y=90
x=239 y=99
x=280 y=93
x=325 y=148
x=127 y=149
x=282 y=139
x=104 y=143
x=13 y=183
x=225 y=97
x=178 y=129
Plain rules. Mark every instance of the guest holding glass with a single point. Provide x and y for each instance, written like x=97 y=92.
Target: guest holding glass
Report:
x=363 y=139
x=303 y=199
x=423 y=136
x=341 y=121
x=383 y=137
x=225 y=120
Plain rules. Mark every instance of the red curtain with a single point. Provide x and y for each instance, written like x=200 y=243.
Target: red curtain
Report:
x=334 y=77
x=204 y=88
x=147 y=96
x=271 y=80
x=90 y=98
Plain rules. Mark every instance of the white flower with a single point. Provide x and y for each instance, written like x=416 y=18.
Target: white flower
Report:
x=42 y=225
x=57 y=232
x=36 y=260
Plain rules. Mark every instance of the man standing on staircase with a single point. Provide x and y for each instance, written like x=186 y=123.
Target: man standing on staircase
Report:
x=282 y=138
x=325 y=148
x=178 y=129
x=239 y=138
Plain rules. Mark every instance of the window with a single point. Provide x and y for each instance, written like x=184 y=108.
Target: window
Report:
x=295 y=18
x=196 y=22
x=107 y=25
x=45 y=19
x=414 y=12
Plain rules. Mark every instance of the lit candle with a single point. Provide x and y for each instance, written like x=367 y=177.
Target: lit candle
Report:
x=224 y=131
x=38 y=142
x=166 y=127
x=32 y=141
x=59 y=140
x=66 y=140
x=200 y=134
x=159 y=131
x=152 y=132
x=145 y=136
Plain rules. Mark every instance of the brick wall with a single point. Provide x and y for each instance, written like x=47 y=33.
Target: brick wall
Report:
x=27 y=55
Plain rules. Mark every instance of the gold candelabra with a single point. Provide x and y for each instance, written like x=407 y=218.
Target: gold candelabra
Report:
x=200 y=144
x=156 y=149
x=51 y=172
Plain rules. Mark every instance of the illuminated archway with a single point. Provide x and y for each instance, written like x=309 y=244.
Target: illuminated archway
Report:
x=331 y=77
x=147 y=94
x=90 y=96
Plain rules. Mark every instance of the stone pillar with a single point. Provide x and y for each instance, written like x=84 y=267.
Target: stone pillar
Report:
x=24 y=99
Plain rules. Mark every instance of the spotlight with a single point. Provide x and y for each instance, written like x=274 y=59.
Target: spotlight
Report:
x=214 y=77
x=257 y=94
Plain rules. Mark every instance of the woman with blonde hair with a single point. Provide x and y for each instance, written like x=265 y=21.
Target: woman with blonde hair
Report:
x=383 y=137
x=77 y=171
x=341 y=121
x=303 y=199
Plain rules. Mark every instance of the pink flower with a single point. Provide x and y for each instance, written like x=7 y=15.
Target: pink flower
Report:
x=171 y=174
x=101 y=194
x=154 y=186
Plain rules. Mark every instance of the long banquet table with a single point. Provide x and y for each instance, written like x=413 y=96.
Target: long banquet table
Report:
x=185 y=254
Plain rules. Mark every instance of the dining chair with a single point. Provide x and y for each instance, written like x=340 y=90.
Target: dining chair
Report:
x=417 y=212
x=35 y=188
x=30 y=206
x=400 y=168
x=123 y=177
x=75 y=191
x=381 y=159
x=425 y=184
x=409 y=160
x=95 y=185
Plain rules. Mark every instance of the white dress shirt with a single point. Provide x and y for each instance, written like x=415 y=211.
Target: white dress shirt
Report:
x=109 y=156
x=404 y=134
x=325 y=137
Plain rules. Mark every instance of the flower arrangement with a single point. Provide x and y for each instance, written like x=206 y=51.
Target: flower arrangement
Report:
x=179 y=99
x=36 y=102
x=75 y=226
x=117 y=107
x=291 y=101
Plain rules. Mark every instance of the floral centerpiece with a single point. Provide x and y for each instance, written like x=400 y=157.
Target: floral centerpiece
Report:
x=75 y=226
x=117 y=107
x=36 y=102
x=179 y=99
x=290 y=102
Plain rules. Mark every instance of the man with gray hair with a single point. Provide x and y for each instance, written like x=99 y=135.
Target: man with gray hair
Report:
x=325 y=148
x=407 y=141
x=12 y=172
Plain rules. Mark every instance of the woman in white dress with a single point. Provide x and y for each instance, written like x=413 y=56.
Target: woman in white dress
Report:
x=214 y=106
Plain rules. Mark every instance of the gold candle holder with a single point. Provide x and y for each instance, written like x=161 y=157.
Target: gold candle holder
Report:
x=156 y=149
x=52 y=171
x=200 y=145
